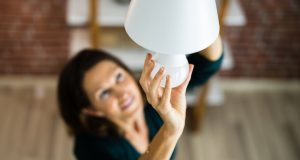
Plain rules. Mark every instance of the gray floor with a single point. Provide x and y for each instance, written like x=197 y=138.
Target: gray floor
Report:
x=253 y=125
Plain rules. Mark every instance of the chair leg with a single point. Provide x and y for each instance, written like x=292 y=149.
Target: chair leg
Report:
x=94 y=26
x=196 y=114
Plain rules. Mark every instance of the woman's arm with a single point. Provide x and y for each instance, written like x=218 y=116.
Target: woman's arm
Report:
x=214 y=51
x=162 y=146
x=207 y=62
x=171 y=109
x=170 y=103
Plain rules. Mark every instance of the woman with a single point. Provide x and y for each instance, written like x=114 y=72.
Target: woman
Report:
x=105 y=108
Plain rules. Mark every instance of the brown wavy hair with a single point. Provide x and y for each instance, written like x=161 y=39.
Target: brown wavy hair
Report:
x=72 y=98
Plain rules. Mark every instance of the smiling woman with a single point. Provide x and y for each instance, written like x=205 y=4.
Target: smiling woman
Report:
x=107 y=112
x=117 y=96
x=73 y=99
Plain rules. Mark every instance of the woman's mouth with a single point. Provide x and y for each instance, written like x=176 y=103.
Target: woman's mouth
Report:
x=127 y=103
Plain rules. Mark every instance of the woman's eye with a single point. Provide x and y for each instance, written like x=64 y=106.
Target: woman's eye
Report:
x=119 y=77
x=104 y=94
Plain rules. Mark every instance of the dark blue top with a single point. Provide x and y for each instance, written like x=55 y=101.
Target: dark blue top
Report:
x=91 y=147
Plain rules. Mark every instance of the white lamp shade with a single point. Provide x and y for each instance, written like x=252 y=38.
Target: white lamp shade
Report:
x=173 y=26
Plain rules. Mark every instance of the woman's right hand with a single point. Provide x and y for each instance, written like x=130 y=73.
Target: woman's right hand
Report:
x=169 y=102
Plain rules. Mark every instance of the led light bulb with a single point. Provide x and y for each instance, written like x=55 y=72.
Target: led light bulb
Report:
x=176 y=66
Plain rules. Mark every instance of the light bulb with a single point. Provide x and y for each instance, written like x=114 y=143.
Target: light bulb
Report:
x=176 y=66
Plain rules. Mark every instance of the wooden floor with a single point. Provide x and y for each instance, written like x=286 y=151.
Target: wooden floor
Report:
x=249 y=126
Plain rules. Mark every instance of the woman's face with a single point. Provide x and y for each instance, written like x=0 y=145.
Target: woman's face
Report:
x=112 y=91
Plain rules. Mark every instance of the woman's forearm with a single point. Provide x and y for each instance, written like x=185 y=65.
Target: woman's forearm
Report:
x=214 y=51
x=162 y=145
x=171 y=106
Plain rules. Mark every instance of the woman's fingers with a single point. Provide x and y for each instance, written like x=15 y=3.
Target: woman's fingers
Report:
x=145 y=76
x=147 y=59
x=148 y=66
x=166 y=97
x=155 y=84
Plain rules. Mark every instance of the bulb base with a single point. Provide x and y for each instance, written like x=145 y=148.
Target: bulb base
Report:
x=176 y=66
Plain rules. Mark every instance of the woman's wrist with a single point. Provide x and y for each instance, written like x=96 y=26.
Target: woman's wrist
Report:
x=174 y=122
x=172 y=131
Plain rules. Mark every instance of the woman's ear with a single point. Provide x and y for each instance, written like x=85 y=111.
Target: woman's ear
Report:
x=91 y=112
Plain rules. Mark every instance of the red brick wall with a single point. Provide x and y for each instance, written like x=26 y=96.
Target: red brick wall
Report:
x=269 y=45
x=33 y=36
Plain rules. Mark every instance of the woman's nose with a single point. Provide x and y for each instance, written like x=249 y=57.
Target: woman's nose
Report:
x=122 y=98
x=121 y=92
